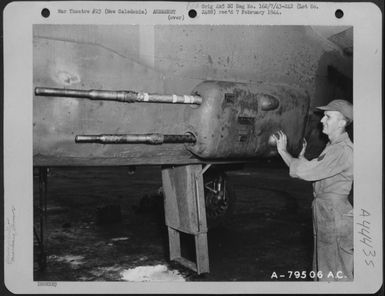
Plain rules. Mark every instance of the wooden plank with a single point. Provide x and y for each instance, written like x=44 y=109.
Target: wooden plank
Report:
x=202 y=253
x=180 y=198
x=174 y=243
x=171 y=209
x=200 y=201
x=187 y=263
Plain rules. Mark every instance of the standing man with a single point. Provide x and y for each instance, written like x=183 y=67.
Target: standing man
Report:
x=332 y=177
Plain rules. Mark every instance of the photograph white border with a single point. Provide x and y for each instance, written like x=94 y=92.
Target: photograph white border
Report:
x=19 y=17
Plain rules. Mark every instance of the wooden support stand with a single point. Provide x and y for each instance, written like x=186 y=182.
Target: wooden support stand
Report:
x=185 y=212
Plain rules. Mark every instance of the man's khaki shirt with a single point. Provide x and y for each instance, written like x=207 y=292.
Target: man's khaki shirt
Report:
x=332 y=171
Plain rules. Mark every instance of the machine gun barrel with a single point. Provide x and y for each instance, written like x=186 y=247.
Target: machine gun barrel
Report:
x=121 y=96
x=153 y=139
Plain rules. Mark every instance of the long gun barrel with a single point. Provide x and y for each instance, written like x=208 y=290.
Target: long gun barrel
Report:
x=154 y=139
x=121 y=96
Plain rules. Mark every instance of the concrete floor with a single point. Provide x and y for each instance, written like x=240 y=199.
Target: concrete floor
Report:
x=270 y=229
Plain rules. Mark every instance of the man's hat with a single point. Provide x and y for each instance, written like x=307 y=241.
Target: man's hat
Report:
x=342 y=106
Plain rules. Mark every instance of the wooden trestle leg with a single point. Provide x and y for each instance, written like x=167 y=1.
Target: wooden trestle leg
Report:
x=185 y=212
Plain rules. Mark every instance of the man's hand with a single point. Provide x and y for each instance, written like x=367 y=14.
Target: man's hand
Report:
x=304 y=145
x=281 y=141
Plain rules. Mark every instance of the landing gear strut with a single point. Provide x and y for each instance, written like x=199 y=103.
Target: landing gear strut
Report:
x=219 y=197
